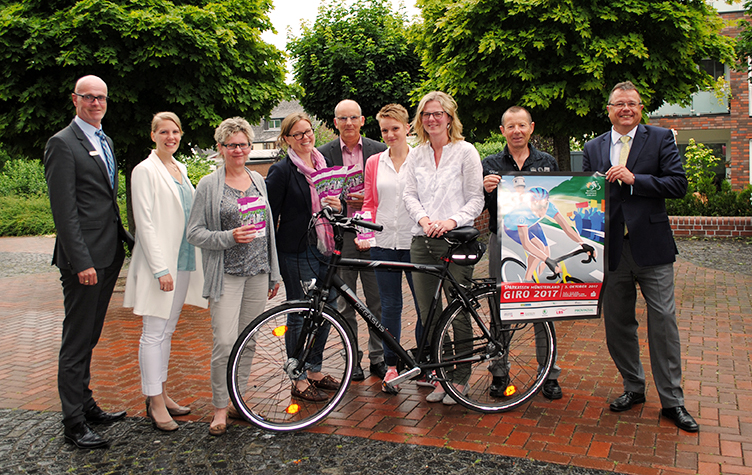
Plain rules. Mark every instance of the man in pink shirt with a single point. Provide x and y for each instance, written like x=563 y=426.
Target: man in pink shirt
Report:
x=351 y=148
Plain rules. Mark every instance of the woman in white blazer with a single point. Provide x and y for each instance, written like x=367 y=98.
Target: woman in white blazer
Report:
x=165 y=271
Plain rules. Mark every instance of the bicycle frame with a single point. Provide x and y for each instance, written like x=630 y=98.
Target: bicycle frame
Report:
x=440 y=271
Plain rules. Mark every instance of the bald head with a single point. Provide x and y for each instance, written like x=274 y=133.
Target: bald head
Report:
x=348 y=118
x=90 y=99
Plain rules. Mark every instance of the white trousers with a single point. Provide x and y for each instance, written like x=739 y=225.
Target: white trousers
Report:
x=242 y=300
x=156 y=340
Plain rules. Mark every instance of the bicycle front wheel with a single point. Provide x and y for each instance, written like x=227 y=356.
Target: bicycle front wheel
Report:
x=518 y=356
x=259 y=385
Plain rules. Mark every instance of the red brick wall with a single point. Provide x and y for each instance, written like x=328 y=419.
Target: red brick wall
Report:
x=711 y=226
x=737 y=120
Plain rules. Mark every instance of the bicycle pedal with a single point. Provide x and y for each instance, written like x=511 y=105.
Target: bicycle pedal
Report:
x=410 y=374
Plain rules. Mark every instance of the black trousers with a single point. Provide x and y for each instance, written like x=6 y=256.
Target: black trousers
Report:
x=85 y=310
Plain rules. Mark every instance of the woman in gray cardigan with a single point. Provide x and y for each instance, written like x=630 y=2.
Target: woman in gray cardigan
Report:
x=239 y=268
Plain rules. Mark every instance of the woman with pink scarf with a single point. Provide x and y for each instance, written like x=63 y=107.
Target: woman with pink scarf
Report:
x=294 y=199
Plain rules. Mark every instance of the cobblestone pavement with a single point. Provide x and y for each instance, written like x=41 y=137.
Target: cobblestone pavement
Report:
x=31 y=442
x=374 y=432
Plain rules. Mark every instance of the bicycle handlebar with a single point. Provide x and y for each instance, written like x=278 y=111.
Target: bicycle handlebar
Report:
x=585 y=249
x=347 y=223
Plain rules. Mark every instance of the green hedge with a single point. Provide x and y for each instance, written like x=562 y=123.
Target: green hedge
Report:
x=25 y=216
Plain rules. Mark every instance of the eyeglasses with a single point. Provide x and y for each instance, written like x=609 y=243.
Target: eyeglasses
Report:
x=299 y=135
x=345 y=118
x=436 y=115
x=233 y=146
x=89 y=99
x=621 y=105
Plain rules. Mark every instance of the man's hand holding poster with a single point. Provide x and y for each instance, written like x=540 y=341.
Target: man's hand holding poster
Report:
x=552 y=232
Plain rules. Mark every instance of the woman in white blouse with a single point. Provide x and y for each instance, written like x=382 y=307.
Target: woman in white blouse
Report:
x=384 y=183
x=165 y=270
x=443 y=190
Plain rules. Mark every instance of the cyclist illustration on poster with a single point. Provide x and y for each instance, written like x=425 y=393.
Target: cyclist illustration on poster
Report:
x=552 y=241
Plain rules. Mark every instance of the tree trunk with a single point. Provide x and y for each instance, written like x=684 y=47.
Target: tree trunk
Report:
x=131 y=160
x=561 y=152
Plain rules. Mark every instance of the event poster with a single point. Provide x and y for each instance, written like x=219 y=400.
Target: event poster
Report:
x=552 y=233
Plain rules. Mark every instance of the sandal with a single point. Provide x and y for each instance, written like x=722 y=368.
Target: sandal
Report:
x=311 y=393
x=327 y=382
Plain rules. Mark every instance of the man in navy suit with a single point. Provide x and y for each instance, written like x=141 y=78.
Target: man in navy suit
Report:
x=643 y=167
x=81 y=174
x=353 y=149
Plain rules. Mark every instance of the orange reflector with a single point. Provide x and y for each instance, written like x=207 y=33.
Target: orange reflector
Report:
x=280 y=330
x=293 y=409
x=510 y=390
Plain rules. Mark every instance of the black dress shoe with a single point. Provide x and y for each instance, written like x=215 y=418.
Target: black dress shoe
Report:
x=499 y=386
x=96 y=415
x=681 y=418
x=552 y=390
x=378 y=369
x=626 y=401
x=357 y=374
x=83 y=437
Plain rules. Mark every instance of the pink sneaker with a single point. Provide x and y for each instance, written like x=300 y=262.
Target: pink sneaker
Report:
x=391 y=373
x=424 y=382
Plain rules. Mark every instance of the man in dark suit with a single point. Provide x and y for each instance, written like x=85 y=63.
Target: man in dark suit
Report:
x=81 y=174
x=350 y=149
x=643 y=167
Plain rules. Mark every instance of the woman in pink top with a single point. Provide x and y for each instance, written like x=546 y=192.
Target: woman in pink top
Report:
x=384 y=182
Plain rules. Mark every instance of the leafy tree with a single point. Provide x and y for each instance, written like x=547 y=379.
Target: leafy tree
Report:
x=203 y=60
x=560 y=58
x=358 y=52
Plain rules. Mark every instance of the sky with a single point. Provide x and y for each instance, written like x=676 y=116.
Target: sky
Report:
x=289 y=14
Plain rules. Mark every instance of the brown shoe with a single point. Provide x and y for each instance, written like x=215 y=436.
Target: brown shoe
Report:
x=327 y=382
x=217 y=430
x=233 y=413
x=179 y=411
x=311 y=393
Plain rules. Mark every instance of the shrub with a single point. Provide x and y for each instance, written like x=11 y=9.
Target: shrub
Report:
x=21 y=177
x=491 y=146
x=27 y=216
x=198 y=164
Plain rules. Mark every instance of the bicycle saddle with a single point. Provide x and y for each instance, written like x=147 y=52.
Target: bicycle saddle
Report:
x=463 y=234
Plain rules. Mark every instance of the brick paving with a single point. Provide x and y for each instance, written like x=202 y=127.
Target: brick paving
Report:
x=715 y=321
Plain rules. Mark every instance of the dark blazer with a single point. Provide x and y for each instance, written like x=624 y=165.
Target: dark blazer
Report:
x=333 y=150
x=290 y=199
x=655 y=162
x=84 y=207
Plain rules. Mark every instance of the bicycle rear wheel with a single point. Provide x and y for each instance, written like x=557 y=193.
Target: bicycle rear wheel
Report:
x=257 y=380
x=513 y=351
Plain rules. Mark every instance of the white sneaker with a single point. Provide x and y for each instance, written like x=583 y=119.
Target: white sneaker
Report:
x=449 y=401
x=437 y=395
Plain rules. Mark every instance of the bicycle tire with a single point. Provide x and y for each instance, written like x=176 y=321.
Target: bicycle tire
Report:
x=512 y=270
x=451 y=341
x=263 y=397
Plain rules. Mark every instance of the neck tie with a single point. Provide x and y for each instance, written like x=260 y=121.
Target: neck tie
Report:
x=623 y=155
x=109 y=158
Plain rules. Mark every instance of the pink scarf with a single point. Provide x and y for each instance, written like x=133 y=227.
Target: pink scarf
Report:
x=324 y=233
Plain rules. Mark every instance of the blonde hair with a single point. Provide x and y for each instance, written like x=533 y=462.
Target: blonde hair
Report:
x=287 y=124
x=162 y=116
x=450 y=107
x=396 y=112
x=232 y=126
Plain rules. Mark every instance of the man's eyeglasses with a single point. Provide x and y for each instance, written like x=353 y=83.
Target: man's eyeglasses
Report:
x=299 y=135
x=233 y=146
x=436 y=115
x=345 y=118
x=621 y=105
x=89 y=99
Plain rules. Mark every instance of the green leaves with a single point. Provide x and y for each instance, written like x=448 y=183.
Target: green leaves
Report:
x=358 y=51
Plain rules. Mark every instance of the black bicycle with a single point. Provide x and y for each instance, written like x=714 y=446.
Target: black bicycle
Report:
x=468 y=340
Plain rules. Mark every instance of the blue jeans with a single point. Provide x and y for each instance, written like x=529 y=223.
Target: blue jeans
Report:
x=297 y=267
x=390 y=292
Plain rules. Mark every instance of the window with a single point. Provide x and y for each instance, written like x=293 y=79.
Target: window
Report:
x=274 y=124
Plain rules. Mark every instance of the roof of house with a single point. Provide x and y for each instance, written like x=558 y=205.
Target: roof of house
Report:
x=261 y=131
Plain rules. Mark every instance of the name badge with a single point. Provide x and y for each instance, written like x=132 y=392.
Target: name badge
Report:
x=94 y=153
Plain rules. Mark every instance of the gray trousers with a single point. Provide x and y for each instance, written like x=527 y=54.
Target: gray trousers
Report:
x=620 y=295
x=371 y=291
x=494 y=271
